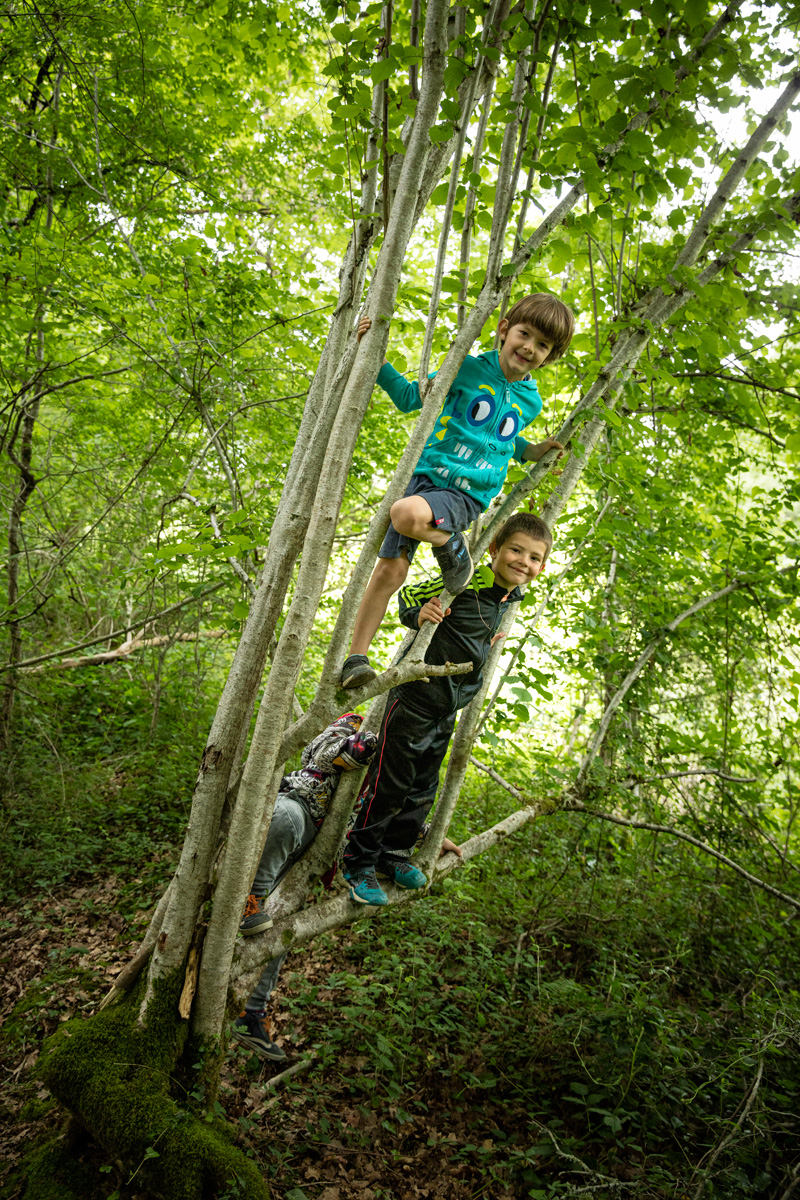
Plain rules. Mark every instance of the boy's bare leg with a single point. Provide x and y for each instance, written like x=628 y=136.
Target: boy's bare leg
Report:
x=389 y=575
x=413 y=517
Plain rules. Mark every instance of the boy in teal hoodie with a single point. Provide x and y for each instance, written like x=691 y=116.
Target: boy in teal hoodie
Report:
x=464 y=463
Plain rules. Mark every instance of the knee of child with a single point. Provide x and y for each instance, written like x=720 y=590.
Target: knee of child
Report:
x=404 y=517
x=392 y=572
x=283 y=825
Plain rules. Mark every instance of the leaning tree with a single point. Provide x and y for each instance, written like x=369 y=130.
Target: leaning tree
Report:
x=461 y=120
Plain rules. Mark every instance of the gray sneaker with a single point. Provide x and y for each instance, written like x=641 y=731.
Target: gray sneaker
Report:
x=255 y=920
x=455 y=563
x=253 y=1031
x=356 y=671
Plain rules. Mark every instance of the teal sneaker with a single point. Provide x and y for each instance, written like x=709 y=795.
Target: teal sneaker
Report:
x=364 y=887
x=403 y=874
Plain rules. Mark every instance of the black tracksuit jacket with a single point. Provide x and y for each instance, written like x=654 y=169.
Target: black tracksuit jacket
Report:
x=416 y=730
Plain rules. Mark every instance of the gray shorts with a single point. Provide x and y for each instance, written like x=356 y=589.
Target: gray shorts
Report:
x=453 y=511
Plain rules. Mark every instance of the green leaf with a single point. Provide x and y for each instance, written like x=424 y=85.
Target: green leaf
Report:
x=610 y=417
x=694 y=12
x=665 y=77
x=560 y=253
x=382 y=70
x=455 y=71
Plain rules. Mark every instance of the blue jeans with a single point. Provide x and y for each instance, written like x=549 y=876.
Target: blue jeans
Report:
x=291 y=832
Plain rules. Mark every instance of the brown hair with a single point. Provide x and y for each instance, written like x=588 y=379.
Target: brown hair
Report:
x=527 y=523
x=548 y=314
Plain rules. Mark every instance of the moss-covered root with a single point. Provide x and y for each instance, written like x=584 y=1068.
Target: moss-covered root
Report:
x=116 y=1079
x=51 y=1171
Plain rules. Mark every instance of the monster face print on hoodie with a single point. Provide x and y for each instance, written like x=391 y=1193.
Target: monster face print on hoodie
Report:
x=478 y=429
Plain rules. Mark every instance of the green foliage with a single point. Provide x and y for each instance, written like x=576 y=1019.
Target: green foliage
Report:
x=178 y=191
x=576 y=993
x=94 y=782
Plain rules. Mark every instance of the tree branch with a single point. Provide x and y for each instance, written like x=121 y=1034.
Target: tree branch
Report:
x=547 y=807
x=714 y=412
x=577 y=806
x=41 y=658
x=684 y=774
x=645 y=657
x=128 y=648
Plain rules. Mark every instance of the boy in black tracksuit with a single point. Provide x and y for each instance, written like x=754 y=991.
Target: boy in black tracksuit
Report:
x=404 y=775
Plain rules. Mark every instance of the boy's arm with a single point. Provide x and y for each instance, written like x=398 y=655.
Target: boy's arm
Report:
x=403 y=393
x=413 y=598
x=532 y=451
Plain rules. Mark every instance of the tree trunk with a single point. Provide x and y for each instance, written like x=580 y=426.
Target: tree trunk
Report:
x=196 y=925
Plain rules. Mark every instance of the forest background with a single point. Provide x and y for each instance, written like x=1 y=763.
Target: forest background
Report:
x=589 y=1008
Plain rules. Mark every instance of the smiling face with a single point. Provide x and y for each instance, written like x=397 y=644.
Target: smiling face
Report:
x=518 y=561
x=524 y=349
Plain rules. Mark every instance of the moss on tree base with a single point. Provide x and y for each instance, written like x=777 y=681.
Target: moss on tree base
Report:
x=118 y=1078
x=52 y=1172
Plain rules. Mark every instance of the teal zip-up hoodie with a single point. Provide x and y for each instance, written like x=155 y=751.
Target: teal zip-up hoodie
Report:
x=477 y=431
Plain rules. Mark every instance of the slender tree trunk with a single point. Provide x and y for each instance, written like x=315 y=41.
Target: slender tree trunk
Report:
x=20 y=447
x=310 y=505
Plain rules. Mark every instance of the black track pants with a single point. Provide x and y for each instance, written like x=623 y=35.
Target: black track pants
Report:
x=401 y=785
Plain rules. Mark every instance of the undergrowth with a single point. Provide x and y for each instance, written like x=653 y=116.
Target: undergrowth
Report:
x=92 y=781
x=559 y=1023
x=582 y=1011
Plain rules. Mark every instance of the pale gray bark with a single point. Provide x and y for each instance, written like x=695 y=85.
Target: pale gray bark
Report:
x=20 y=451
x=699 y=771
x=693 y=841
x=273 y=711
x=300 y=927
x=540 y=609
x=231 y=721
x=131 y=971
x=548 y=807
x=742 y=164
x=27 y=663
x=333 y=414
x=609 y=382
x=331 y=919
x=22 y=457
x=468 y=106
x=123 y=651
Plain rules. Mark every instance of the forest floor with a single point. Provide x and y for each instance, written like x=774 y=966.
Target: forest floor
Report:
x=60 y=953
x=549 y=1024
